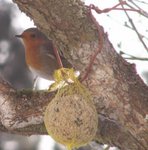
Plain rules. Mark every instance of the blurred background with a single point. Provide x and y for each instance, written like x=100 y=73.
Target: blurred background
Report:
x=13 y=67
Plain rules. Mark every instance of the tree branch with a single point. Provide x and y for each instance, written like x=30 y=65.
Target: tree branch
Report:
x=120 y=96
x=20 y=109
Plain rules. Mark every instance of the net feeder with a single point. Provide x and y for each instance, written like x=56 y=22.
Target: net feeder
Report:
x=70 y=118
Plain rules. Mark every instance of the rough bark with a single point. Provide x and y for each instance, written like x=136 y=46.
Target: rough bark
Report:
x=120 y=95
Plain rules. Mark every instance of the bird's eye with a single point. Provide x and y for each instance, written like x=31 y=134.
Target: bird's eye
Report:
x=33 y=35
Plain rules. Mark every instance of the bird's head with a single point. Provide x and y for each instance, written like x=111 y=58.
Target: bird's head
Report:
x=32 y=37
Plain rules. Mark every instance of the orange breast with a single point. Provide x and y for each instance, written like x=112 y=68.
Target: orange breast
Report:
x=33 y=56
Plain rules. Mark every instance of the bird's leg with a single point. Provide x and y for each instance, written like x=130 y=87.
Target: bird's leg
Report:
x=58 y=57
x=35 y=80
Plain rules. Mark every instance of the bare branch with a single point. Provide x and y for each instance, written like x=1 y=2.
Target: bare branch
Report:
x=131 y=57
x=141 y=11
x=141 y=2
x=142 y=36
x=22 y=108
x=134 y=27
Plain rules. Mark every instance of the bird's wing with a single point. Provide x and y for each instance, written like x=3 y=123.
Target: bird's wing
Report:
x=49 y=50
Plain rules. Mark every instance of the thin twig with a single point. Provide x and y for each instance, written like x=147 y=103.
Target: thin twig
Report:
x=141 y=11
x=131 y=1
x=134 y=27
x=142 y=2
x=127 y=9
x=106 y=10
x=136 y=58
x=127 y=26
x=142 y=36
x=131 y=57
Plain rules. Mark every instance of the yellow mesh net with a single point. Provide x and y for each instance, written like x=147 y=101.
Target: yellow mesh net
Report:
x=70 y=118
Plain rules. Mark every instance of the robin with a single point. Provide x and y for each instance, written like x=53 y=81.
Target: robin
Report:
x=39 y=53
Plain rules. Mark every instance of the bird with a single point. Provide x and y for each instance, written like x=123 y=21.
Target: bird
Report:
x=39 y=53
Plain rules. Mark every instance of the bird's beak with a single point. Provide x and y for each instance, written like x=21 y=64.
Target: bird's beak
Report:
x=19 y=36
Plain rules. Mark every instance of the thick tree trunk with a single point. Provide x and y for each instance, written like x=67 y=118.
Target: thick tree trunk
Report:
x=120 y=95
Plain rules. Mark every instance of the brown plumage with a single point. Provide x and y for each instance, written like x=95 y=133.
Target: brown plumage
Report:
x=39 y=53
